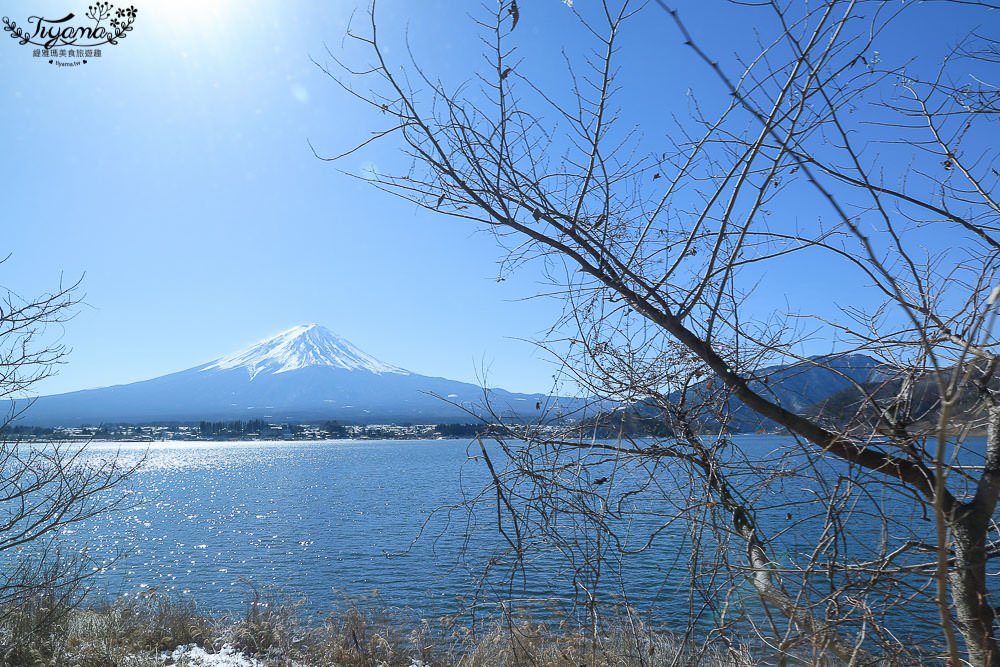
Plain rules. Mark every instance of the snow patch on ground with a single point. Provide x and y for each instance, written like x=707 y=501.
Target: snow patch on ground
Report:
x=195 y=656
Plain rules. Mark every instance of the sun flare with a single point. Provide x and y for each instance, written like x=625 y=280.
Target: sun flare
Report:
x=190 y=13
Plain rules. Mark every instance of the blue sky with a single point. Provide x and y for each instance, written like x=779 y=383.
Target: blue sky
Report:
x=173 y=174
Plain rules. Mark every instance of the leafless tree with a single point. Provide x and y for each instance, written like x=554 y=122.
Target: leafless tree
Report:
x=871 y=524
x=44 y=486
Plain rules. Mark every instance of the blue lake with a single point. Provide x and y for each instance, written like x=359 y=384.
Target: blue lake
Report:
x=325 y=520
x=316 y=518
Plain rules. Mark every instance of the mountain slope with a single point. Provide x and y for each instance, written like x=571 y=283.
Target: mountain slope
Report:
x=308 y=373
x=794 y=387
x=861 y=408
x=798 y=386
x=305 y=373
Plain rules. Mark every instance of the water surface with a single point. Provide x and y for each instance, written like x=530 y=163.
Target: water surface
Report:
x=323 y=520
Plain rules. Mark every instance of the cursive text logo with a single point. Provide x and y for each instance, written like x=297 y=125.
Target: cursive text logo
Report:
x=71 y=37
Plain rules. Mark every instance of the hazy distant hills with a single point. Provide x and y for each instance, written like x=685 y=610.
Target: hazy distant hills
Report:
x=796 y=387
x=861 y=408
x=305 y=373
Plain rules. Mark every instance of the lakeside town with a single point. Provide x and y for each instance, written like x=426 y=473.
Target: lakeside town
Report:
x=250 y=431
x=246 y=430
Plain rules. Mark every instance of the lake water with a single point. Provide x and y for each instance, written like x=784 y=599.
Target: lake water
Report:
x=323 y=520
x=316 y=518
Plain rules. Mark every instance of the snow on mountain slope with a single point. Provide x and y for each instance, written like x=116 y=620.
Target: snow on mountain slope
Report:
x=301 y=347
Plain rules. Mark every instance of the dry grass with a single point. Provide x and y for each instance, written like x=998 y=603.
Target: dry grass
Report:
x=365 y=632
x=119 y=633
x=538 y=643
x=274 y=631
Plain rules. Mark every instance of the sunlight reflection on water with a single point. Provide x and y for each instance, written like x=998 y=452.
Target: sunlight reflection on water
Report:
x=325 y=519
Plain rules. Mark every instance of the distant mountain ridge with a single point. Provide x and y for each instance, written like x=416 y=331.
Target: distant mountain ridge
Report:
x=796 y=387
x=304 y=373
x=864 y=408
x=309 y=373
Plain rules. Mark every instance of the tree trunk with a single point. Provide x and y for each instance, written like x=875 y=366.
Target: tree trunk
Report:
x=968 y=591
x=967 y=576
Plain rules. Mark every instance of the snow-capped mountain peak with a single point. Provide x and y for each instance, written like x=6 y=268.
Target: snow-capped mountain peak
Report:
x=301 y=347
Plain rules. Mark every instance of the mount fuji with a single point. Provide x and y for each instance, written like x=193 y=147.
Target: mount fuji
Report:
x=305 y=373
